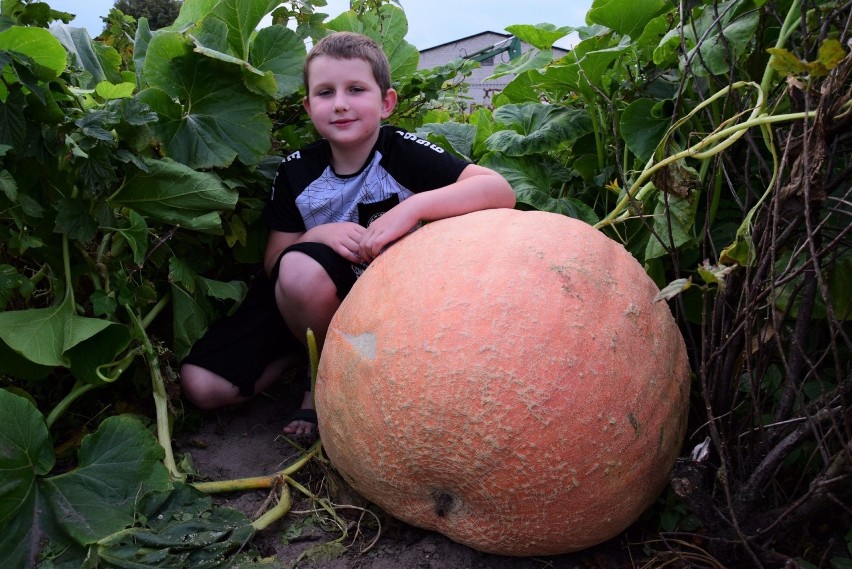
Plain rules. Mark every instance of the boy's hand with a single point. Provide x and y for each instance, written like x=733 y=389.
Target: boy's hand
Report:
x=384 y=231
x=344 y=238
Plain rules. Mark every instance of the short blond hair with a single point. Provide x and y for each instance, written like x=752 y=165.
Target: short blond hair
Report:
x=351 y=45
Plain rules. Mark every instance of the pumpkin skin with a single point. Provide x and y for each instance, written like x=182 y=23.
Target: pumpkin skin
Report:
x=506 y=379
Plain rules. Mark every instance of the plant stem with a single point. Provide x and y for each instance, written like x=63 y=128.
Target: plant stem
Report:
x=160 y=399
x=790 y=23
x=276 y=512
x=258 y=482
x=161 y=304
x=78 y=390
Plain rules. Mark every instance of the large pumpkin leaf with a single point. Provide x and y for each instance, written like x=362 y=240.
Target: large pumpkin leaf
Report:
x=117 y=464
x=39 y=45
x=26 y=453
x=98 y=59
x=627 y=17
x=643 y=126
x=242 y=18
x=57 y=336
x=714 y=39
x=540 y=36
x=459 y=136
x=535 y=179
x=184 y=530
x=537 y=128
x=279 y=50
x=192 y=11
x=717 y=51
x=177 y=194
x=388 y=29
x=216 y=120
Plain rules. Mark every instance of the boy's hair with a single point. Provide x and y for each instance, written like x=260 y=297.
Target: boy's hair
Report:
x=351 y=45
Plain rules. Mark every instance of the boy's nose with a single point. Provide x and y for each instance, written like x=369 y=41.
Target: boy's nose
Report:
x=340 y=103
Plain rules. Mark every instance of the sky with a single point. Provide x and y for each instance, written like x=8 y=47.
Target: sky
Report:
x=430 y=22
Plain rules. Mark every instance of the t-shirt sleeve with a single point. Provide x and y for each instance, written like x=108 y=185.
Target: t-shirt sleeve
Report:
x=280 y=212
x=418 y=164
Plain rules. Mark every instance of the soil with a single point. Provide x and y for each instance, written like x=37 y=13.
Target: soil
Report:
x=247 y=441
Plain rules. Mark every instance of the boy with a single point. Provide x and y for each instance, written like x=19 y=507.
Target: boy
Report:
x=335 y=205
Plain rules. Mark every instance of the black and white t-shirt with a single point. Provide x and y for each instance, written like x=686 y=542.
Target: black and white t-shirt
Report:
x=306 y=192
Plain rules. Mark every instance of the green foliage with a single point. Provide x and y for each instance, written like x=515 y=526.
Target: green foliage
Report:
x=116 y=466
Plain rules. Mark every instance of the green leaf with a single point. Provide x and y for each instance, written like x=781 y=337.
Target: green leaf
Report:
x=177 y=194
x=642 y=128
x=234 y=290
x=74 y=219
x=530 y=61
x=189 y=320
x=280 y=51
x=100 y=60
x=8 y=186
x=38 y=44
x=785 y=62
x=627 y=17
x=242 y=18
x=716 y=52
x=26 y=453
x=108 y=90
x=673 y=289
x=216 y=121
x=37 y=334
x=537 y=128
x=459 y=136
x=540 y=36
x=136 y=235
x=674 y=216
x=534 y=180
x=192 y=11
x=118 y=464
x=184 y=530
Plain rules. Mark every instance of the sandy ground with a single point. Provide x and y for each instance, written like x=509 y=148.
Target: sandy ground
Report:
x=246 y=441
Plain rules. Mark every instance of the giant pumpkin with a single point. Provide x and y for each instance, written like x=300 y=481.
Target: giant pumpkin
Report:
x=507 y=379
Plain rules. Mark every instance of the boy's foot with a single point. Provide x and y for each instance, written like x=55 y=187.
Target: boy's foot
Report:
x=303 y=422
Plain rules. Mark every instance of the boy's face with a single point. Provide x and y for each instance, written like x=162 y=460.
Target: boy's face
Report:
x=345 y=102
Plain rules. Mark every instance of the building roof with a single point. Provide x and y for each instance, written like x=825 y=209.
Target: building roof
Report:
x=502 y=35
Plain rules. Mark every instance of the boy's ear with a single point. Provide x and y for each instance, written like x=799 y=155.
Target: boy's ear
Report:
x=388 y=103
x=306 y=105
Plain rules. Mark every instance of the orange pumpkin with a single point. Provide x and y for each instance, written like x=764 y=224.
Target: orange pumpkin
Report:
x=507 y=379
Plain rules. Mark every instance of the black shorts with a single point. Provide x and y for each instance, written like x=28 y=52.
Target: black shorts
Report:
x=240 y=346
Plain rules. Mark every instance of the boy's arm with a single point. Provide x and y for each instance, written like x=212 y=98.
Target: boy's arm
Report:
x=477 y=188
x=276 y=242
x=342 y=237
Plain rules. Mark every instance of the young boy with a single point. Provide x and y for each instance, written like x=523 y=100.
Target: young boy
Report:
x=335 y=206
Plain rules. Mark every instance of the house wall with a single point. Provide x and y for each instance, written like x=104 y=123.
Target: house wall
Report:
x=480 y=90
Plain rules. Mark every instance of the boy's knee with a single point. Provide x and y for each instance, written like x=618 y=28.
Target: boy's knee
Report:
x=301 y=277
x=201 y=389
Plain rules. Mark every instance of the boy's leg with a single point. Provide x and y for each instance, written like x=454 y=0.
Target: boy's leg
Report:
x=208 y=390
x=312 y=282
x=241 y=354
